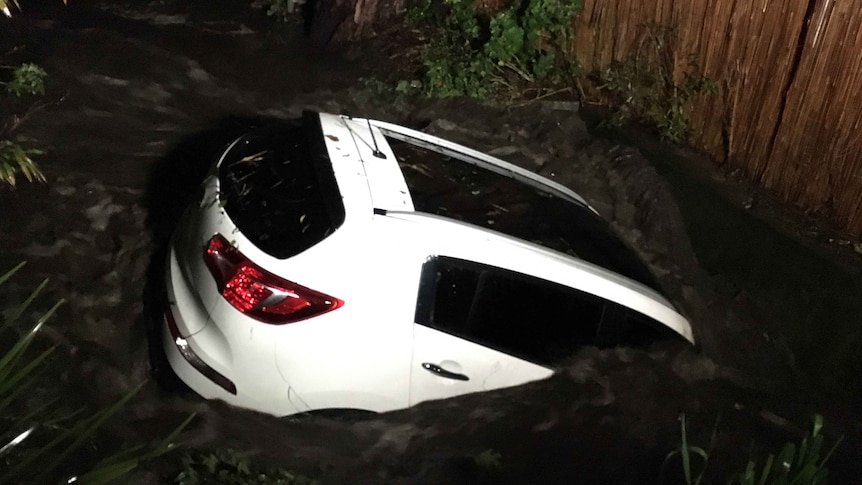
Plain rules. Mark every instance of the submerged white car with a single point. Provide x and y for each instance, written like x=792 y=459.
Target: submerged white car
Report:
x=340 y=263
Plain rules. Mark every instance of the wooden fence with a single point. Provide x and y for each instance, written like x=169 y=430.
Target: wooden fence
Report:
x=788 y=108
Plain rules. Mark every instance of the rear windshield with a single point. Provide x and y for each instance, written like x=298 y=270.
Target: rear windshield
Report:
x=440 y=184
x=278 y=187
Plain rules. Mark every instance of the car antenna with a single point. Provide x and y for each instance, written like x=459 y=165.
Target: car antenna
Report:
x=377 y=153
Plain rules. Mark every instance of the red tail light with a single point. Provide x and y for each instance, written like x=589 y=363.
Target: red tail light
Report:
x=259 y=293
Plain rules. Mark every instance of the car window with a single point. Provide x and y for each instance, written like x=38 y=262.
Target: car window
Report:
x=443 y=185
x=627 y=327
x=528 y=317
x=277 y=185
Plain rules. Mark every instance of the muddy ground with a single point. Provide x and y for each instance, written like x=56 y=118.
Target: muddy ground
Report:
x=150 y=92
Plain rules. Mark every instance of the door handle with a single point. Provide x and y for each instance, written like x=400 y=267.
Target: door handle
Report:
x=441 y=372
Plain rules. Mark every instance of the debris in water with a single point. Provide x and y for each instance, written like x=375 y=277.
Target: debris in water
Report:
x=254 y=158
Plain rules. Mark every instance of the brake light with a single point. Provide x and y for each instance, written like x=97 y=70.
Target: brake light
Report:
x=258 y=293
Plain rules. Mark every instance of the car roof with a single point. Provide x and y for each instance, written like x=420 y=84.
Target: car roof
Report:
x=407 y=170
x=360 y=147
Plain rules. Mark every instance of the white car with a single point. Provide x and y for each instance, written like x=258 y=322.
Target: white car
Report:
x=341 y=263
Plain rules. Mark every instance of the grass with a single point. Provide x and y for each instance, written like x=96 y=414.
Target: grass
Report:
x=38 y=442
x=795 y=464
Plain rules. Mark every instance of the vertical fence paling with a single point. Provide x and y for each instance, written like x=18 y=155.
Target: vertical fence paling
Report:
x=710 y=111
x=791 y=123
x=824 y=107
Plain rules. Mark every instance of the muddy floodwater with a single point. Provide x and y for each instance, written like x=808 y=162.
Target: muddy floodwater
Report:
x=144 y=94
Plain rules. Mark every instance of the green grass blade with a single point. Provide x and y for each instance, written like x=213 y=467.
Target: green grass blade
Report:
x=18 y=470
x=713 y=438
x=17 y=440
x=747 y=477
x=697 y=450
x=167 y=444
x=802 y=452
x=20 y=390
x=686 y=459
x=78 y=430
x=91 y=429
x=124 y=455
x=11 y=272
x=107 y=474
x=665 y=463
x=767 y=469
x=785 y=458
x=10 y=382
x=11 y=356
x=831 y=450
x=119 y=465
x=818 y=425
x=36 y=454
x=16 y=313
x=805 y=475
x=33 y=414
x=814 y=449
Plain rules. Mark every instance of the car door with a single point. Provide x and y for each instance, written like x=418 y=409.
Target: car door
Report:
x=479 y=328
x=445 y=365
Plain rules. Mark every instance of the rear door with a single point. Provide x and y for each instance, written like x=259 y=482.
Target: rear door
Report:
x=479 y=327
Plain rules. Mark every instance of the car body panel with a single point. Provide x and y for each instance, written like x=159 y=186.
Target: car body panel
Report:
x=386 y=183
x=485 y=369
x=371 y=334
x=189 y=273
x=348 y=166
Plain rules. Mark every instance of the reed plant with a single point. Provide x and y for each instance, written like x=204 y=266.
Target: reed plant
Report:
x=41 y=442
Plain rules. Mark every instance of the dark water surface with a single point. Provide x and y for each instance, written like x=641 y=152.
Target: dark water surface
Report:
x=799 y=287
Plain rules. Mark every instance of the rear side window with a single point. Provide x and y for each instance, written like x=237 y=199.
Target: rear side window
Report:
x=525 y=316
x=278 y=187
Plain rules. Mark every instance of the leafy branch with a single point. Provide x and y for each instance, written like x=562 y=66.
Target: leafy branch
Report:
x=25 y=80
x=644 y=87
x=508 y=52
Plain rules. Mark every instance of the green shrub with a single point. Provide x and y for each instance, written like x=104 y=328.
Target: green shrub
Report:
x=644 y=88
x=802 y=464
x=228 y=467
x=476 y=53
x=280 y=9
x=26 y=80
x=15 y=159
x=489 y=460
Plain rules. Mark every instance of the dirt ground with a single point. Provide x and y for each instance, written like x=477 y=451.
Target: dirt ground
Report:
x=151 y=91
